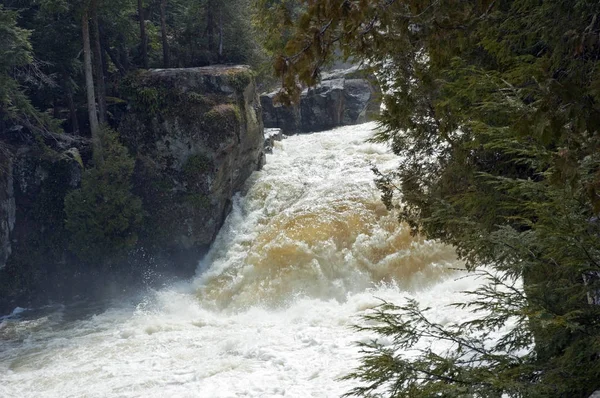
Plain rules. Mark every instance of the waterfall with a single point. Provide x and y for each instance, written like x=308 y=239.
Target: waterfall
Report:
x=307 y=249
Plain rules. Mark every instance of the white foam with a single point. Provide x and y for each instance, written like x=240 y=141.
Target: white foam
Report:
x=292 y=337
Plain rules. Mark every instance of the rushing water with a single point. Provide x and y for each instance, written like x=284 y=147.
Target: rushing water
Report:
x=306 y=250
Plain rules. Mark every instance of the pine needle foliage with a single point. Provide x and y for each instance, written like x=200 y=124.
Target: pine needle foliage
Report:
x=16 y=54
x=103 y=216
x=493 y=109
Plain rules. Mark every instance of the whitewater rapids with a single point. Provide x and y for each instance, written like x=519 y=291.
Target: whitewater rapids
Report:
x=307 y=249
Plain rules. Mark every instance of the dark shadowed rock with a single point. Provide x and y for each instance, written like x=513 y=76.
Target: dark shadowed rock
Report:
x=358 y=106
x=344 y=97
x=35 y=176
x=322 y=107
x=287 y=118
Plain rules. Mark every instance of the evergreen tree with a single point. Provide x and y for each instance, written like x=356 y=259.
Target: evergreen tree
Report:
x=103 y=215
x=16 y=56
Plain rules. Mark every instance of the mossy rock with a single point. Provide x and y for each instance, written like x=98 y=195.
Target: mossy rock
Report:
x=239 y=79
x=198 y=201
x=221 y=117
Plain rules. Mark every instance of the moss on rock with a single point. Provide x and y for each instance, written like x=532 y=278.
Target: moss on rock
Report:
x=239 y=79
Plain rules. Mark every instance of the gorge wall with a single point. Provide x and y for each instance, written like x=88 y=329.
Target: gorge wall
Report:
x=343 y=97
x=196 y=135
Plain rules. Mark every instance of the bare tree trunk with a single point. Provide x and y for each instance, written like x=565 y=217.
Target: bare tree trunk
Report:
x=98 y=65
x=111 y=54
x=72 y=111
x=163 y=31
x=210 y=28
x=220 y=34
x=89 y=88
x=143 y=37
x=55 y=108
x=123 y=52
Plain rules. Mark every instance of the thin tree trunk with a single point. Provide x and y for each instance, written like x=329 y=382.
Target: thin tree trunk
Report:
x=111 y=54
x=210 y=28
x=163 y=31
x=72 y=110
x=89 y=88
x=143 y=37
x=123 y=52
x=55 y=108
x=98 y=67
x=220 y=34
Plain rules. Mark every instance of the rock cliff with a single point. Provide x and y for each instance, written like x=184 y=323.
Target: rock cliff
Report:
x=35 y=176
x=342 y=98
x=197 y=135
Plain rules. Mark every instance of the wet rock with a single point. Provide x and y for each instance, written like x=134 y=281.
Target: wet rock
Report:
x=272 y=135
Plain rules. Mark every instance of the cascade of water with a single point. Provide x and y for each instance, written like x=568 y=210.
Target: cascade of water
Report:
x=307 y=248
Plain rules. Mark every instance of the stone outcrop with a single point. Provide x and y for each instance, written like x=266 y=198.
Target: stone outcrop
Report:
x=197 y=135
x=36 y=173
x=342 y=98
x=34 y=178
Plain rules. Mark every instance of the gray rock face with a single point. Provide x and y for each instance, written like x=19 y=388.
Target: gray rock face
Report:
x=33 y=183
x=287 y=118
x=342 y=98
x=194 y=151
x=595 y=394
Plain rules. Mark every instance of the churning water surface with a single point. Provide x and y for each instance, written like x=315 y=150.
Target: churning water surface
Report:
x=307 y=249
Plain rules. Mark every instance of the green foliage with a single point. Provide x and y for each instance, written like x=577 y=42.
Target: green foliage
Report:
x=15 y=56
x=200 y=27
x=493 y=109
x=143 y=98
x=239 y=80
x=224 y=117
x=103 y=215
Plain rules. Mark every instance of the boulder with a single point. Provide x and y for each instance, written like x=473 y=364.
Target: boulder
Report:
x=272 y=135
x=344 y=97
x=197 y=135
